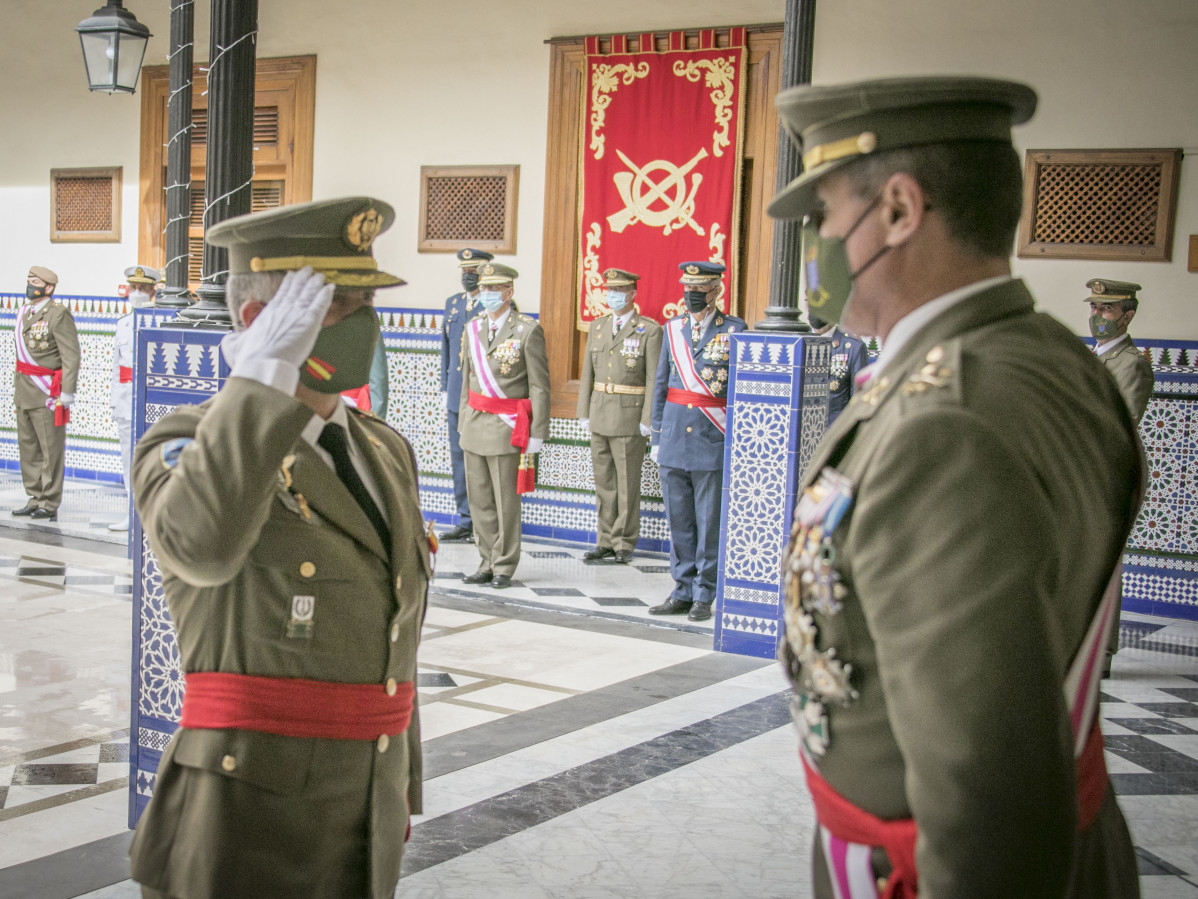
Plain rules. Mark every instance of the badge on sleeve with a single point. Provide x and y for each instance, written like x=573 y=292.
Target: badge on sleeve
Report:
x=171 y=450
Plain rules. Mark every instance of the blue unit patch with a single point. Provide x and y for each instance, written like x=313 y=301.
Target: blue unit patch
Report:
x=172 y=449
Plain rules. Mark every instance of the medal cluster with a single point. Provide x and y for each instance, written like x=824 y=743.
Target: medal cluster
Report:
x=507 y=354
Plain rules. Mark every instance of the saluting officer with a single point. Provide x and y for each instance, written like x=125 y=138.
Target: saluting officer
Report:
x=943 y=618
x=295 y=563
x=459 y=309
x=689 y=399
x=849 y=356
x=504 y=422
x=141 y=280
x=620 y=361
x=47 y=348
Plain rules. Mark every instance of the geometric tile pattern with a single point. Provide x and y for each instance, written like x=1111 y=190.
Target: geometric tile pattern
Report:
x=64 y=773
x=56 y=574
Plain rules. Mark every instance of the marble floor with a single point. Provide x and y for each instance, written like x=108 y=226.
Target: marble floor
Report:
x=574 y=747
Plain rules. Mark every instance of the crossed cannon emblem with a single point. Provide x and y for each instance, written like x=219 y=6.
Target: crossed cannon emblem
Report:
x=641 y=193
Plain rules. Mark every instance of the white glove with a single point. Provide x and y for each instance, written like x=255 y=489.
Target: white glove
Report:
x=585 y=423
x=66 y=398
x=279 y=340
x=645 y=432
x=534 y=445
x=653 y=453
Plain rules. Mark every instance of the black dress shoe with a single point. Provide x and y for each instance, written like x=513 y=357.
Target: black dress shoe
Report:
x=700 y=611
x=599 y=552
x=25 y=510
x=671 y=606
x=458 y=534
x=501 y=580
x=623 y=556
x=44 y=515
x=479 y=577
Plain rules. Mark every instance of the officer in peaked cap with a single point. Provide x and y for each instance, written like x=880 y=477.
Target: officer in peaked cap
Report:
x=1113 y=305
x=936 y=599
x=295 y=564
x=141 y=280
x=47 y=357
x=614 y=405
x=459 y=309
x=689 y=398
x=504 y=420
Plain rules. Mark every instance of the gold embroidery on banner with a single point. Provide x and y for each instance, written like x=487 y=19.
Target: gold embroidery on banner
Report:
x=716 y=244
x=605 y=79
x=672 y=310
x=720 y=77
x=639 y=192
x=592 y=278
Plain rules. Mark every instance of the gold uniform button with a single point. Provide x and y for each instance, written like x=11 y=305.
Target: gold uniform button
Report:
x=399 y=582
x=881 y=885
x=307 y=569
x=690 y=406
x=383 y=742
x=935 y=354
x=394 y=632
x=391 y=686
x=688 y=430
x=229 y=763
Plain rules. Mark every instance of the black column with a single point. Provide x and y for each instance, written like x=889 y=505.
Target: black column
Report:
x=230 y=145
x=798 y=45
x=178 y=157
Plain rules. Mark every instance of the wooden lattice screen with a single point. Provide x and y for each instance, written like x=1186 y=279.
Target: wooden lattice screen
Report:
x=471 y=206
x=1099 y=204
x=85 y=205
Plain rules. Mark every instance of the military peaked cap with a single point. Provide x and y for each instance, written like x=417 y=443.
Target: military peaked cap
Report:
x=617 y=277
x=1104 y=290
x=699 y=273
x=468 y=258
x=141 y=274
x=37 y=271
x=496 y=273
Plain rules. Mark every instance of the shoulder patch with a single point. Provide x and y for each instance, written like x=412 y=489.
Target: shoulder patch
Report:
x=170 y=451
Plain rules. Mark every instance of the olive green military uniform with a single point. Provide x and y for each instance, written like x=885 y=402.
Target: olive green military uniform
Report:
x=516 y=360
x=617 y=370
x=52 y=341
x=241 y=813
x=1133 y=373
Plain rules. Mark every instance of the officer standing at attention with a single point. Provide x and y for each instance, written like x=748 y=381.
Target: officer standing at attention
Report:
x=848 y=357
x=942 y=619
x=47 y=348
x=141 y=280
x=1113 y=305
x=295 y=563
x=689 y=397
x=620 y=359
x=459 y=309
x=505 y=420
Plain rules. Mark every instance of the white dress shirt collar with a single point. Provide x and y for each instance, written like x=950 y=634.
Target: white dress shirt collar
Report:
x=1103 y=349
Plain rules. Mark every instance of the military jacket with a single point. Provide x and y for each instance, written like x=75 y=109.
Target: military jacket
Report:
x=120 y=396
x=848 y=357
x=687 y=437
x=1133 y=373
x=516 y=359
x=245 y=519
x=936 y=600
x=626 y=359
x=459 y=309
x=52 y=341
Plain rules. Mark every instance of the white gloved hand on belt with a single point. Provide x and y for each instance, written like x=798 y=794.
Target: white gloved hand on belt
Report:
x=653 y=453
x=66 y=399
x=534 y=445
x=645 y=432
x=585 y=423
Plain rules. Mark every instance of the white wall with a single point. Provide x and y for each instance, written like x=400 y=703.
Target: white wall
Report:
x=402 y=83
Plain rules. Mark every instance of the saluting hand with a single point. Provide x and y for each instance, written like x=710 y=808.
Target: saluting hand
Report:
x=285 y=329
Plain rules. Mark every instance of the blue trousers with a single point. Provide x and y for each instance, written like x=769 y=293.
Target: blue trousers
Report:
x=692 y=501
x=457 y=463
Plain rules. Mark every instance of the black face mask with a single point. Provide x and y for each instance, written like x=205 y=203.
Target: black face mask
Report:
x=817 y=323
x=33 y=294
x=696 y=300
x=470 y=281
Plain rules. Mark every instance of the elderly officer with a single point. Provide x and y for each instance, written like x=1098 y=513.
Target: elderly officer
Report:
x=689 y=397
x=47 y=349
x=848 y=357
x=942 y=617
x=295 y=563
x=1113 y=305
x=621 y=357
x=140 y=280
x=459 y=309
x=505 y=420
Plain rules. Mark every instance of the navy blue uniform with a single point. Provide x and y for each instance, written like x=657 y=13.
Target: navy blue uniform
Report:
x=459 y=309
x=691 y=453
x=849 y=356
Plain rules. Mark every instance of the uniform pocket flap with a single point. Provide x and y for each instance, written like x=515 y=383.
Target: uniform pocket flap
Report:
x=272 y=762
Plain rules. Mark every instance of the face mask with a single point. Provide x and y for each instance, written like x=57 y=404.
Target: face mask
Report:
x=696 y=300
x=1103 y=328
x=491 y=299
x=826 y=265
x=470 y=281
x=616 y=300
x=342 y=355
x=140 y=298
x=33 y=294
x=817 y=323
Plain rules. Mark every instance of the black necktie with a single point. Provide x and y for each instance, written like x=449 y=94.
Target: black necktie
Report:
x=335 y=442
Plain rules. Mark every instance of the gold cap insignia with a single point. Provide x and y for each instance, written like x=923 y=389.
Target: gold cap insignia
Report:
x=692 y=269
x=488 y=269
x=140 y=273
x=610 y=273
x=363 y=228
x=466 y=254
x=1098 y=287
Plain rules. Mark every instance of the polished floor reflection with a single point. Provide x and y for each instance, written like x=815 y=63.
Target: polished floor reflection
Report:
x=574 y=748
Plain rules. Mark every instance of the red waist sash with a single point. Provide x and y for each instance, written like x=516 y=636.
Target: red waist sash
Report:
x=125 y=374
x=293 y=707
x=852 y=824
x=62 y=414
x=699 y=400
x=495 y=405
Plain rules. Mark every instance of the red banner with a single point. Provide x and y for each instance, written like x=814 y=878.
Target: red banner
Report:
x=661 y=168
